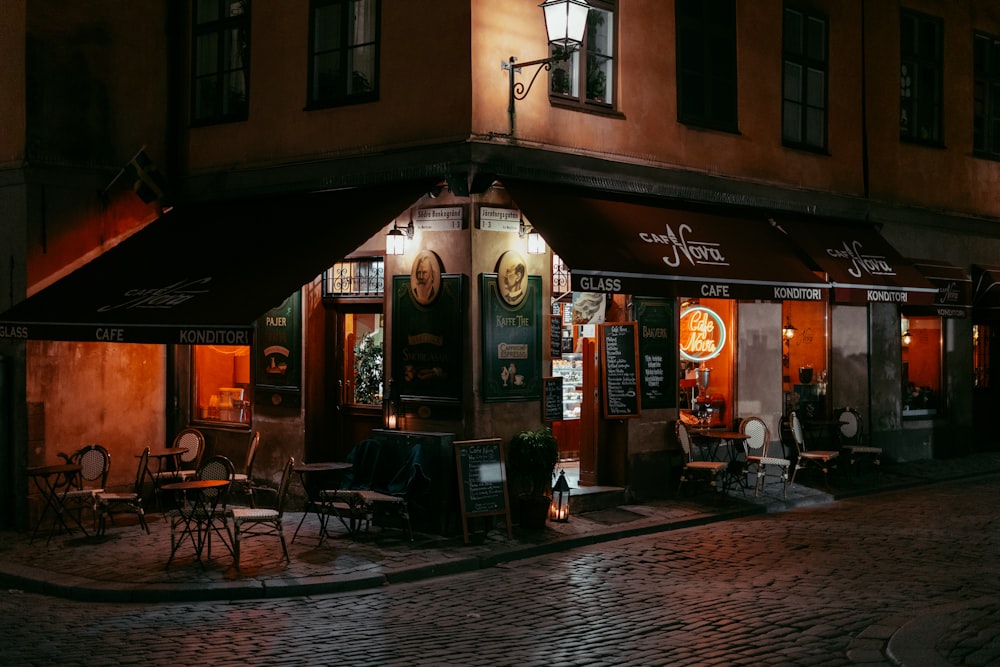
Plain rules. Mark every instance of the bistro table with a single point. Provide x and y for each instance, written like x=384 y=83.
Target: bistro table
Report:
x=161 y=455
x=196 y=517
x=314 y=477
x=48 y=480
x=715 y=437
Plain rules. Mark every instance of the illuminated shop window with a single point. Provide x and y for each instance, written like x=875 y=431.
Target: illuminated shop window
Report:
x=364 y=350
x=221 y=378
x=981 y=336
x=921 y=345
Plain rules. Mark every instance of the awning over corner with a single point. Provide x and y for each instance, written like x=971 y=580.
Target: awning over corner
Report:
x=632 y=246
x=861 y=265
x=986 y=292
x=203 y=274
x=954 y=289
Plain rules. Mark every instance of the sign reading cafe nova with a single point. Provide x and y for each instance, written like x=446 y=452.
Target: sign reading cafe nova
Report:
x=702 y=334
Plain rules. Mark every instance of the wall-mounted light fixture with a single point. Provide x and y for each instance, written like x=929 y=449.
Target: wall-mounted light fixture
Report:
x=787 y=333
x=536 y=244
x=565 y=22
x=395 y=240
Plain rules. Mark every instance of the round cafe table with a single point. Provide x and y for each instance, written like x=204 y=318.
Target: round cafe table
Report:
x=315 y=477
x=196 y=515
x=49 y=480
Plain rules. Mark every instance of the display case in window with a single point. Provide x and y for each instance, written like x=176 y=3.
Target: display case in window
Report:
x=570 y=369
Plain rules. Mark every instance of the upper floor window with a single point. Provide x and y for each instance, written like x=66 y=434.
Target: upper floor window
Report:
x=221 y=61
x=588 y=77
x=921 y=80
x=706 y=63
x=804 y=72
x=364 y=277
x=986 y=96
x=343 y=51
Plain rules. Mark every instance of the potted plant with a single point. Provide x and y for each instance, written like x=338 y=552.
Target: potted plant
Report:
x=531 y=459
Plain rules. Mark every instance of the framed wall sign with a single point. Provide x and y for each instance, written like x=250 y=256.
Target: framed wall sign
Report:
x=427 y=341
x=657 y=351
x=279 y=352
x=512 y=341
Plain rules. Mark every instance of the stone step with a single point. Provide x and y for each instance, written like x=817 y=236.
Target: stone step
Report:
x=592 y=498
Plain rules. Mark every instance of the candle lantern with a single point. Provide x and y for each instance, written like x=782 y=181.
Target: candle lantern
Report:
x=392 y=408
x=559 y=509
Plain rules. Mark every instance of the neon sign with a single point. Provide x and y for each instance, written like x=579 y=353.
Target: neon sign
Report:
x=702 y=334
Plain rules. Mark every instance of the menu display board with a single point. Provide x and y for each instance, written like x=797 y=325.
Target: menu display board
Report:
x=482 y=481
x=552 y=397
x=657 y=351
x=555 y=336
x=618 y=346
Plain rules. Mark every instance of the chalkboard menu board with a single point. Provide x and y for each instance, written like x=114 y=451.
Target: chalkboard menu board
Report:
x=482 y=480
x=555 y=336
x=619 y=368
x=657 y=351
x=552 y=396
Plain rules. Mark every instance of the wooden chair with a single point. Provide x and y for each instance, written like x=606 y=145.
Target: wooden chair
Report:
x=821 y=460
x=694 y=470
x=109 y=504
x=255 y=521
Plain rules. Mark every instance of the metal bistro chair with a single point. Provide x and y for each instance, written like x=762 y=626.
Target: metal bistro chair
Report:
x=109 y=504
x=852 y=441
x=756 y=444
x=693 y=470
x=254 y=521
x=193 y=441
x=243 y=481
x=817 y=459
x=95 y=464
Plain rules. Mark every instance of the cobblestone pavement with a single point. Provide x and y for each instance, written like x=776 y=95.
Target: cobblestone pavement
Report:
x=906 y=577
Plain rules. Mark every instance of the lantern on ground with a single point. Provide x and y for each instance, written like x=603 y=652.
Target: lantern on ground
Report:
x=392 y=408
x=559 y=509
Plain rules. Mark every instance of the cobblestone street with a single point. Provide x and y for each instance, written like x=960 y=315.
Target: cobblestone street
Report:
x=825 y=585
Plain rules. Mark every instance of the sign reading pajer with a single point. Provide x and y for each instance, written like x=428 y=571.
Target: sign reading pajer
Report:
x=702 y=334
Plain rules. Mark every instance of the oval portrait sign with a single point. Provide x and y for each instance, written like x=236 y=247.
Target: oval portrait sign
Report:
x=425 y=277
x=702 y=334
x=512 y=277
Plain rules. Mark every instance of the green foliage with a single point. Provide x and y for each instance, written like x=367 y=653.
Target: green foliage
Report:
x=531 y=459
x=368 y=371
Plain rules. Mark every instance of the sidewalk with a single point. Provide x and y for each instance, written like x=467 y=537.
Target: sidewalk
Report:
x=129 y=565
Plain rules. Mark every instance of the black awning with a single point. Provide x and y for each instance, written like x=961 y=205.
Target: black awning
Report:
x=861 y=265
x=986 y=292
x=203 y=274
x=643 y=247
x=954 y=289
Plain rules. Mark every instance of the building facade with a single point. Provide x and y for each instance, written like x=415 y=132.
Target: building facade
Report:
x=747 y=140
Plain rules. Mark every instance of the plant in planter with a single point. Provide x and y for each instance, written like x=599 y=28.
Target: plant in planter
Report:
x=531 y=459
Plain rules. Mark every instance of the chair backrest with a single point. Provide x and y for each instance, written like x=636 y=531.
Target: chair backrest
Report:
x=758 y=436
x=194 y=441
x=851 y=426
x=252 y=454
x=685 y=439
x=140 y=472
x=216 y=467
x=286 y=477
x=95 y=464
x=797 y=436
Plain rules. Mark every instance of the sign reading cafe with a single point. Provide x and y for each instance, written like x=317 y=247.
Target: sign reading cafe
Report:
x=702 y=334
